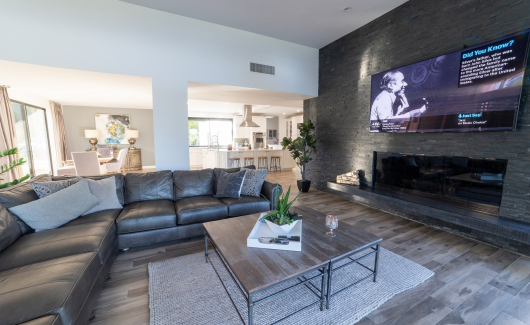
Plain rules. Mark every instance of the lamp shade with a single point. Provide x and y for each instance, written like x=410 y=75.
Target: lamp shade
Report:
x=131 y=134
x=91 y=134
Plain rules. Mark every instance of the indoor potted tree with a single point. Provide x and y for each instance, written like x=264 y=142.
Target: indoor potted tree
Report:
x=301 y=149
x=7 y=167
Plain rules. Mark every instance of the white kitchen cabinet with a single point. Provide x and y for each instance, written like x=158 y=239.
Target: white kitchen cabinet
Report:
x=288 y=161
x=196 y=157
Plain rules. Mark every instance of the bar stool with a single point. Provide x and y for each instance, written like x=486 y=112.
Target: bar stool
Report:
x=234 y=162
x=249 y=161
x=276 y=164
x=263 y=163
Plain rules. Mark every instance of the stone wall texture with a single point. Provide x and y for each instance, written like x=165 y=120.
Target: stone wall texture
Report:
x=416 y=31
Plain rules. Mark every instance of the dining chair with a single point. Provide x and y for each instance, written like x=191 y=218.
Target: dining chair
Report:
x=66 y=171
x=87 y=163
x=120 y=163
x=109 y=152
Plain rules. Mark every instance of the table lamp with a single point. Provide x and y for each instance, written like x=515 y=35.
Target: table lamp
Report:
x=132 y=135
x=93 y=135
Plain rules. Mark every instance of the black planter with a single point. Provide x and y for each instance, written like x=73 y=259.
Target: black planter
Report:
x=303 y=185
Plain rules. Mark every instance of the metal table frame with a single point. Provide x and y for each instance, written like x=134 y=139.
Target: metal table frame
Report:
x=373 y=272
x=303 y=279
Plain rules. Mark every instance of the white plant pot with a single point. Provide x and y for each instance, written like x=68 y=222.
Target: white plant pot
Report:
x=285 y=229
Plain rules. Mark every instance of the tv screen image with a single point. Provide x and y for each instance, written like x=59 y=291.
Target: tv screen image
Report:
x=476 y=89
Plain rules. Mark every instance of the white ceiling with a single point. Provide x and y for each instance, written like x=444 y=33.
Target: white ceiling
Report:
x=222 y=99
x=314 y=23
x=76 y=87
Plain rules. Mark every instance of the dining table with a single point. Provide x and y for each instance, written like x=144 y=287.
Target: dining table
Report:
x=102 y=160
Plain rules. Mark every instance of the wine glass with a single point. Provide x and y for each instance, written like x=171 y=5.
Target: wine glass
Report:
x=332 y=222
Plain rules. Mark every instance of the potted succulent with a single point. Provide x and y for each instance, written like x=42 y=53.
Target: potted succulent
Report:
x=281 y=220
x=301 y=149
x=7 y=167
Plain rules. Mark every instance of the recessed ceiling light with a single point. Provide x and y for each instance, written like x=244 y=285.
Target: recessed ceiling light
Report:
x=283 y=113
x=347 y=9
x=298 y=110
x=226 y=103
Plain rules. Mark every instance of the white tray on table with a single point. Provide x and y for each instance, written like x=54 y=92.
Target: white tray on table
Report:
x=261 y=229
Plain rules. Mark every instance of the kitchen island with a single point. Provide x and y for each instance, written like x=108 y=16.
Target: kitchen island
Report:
x=213 y=158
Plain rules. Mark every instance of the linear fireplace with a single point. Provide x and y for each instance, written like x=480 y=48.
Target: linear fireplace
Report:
x=473 y=183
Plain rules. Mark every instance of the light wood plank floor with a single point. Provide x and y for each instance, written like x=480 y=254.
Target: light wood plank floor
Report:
x=474 y=283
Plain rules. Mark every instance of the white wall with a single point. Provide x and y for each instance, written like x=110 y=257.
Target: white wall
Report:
x=116 y=37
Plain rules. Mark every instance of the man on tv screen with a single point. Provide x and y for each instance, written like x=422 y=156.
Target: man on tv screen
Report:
x=392 y=103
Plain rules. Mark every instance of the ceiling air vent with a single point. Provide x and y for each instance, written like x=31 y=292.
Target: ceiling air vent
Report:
x=262 y=68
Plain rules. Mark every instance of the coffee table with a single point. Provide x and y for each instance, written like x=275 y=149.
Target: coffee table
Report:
x=255 y=270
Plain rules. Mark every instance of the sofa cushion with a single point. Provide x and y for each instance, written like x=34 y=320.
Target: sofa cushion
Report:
x=245 y=205
x=57 y=286
x=45 y=320
x=58 y=208
x=119 y=178
x=147 y=215
x=149 y=186
x=20 y=194
x=65 y=241
x=200 y=209
x=9 y=229
x=189 y=183
x=107 y=217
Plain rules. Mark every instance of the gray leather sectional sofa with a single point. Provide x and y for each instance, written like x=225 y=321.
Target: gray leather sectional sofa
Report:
x=55 y=276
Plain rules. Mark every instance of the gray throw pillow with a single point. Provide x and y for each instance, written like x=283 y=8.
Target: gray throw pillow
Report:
x=58 y=208
x=230 y=184
x=253 y=182
x=43 y=189
x=105 y=190
x=120 y=183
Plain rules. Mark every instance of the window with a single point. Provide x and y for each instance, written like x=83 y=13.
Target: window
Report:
x=202 y=130
x=32 y=137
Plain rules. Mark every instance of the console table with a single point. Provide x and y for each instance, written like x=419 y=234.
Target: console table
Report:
x=133 y=161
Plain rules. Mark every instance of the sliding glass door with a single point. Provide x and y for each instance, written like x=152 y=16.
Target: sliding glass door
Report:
x=32 y=138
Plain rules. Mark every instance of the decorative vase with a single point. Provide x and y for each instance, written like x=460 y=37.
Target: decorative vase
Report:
x=229 y=147
x=303 y=186
x=285 y=229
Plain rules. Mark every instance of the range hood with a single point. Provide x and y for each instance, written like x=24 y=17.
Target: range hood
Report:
x=247 y=118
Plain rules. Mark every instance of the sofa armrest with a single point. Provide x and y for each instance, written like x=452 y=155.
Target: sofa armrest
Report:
x=269 y=191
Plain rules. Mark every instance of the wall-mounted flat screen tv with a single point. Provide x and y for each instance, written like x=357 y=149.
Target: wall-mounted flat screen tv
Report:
x=476 y=89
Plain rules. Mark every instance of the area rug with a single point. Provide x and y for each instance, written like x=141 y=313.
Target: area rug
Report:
x=186 y=290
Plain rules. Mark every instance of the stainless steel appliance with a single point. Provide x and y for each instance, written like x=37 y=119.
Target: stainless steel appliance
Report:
x=258 y=140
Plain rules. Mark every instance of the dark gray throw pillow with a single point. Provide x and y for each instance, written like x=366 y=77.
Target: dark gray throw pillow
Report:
x=253 y=182
x=189 y=183
x=230 y=184
x=44 y=189
x=217 y=172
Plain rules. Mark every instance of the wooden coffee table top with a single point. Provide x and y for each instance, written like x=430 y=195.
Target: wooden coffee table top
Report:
x=258 y=268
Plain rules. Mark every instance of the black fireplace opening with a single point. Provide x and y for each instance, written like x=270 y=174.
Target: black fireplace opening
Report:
x=472 y=183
